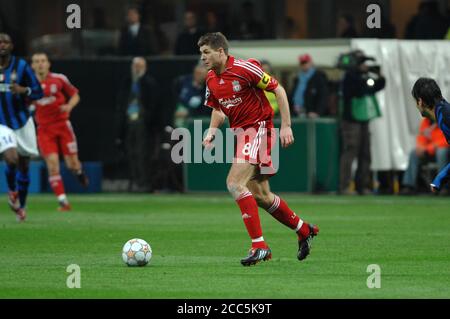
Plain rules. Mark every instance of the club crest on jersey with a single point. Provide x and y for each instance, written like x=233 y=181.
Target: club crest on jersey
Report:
x=236 y=86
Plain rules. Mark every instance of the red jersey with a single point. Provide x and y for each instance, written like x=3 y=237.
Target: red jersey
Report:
x=57 y=91
x=239 y=92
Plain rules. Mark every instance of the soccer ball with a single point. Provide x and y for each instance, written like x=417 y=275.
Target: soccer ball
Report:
x=136 y=252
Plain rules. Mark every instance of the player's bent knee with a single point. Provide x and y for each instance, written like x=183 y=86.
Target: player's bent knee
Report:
x=53 y=167
x=11 y=161
x=235 y=188
x=11 y=157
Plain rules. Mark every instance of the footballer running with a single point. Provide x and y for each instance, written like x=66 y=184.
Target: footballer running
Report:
x=54 y=130
x=18 y=87
x=235 y=89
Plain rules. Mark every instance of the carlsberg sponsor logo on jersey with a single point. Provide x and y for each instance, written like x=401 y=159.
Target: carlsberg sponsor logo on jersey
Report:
x=230 y=102
x=47 y=100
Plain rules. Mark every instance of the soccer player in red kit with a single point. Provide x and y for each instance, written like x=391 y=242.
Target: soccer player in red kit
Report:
x=54 y=130
x=235 y=89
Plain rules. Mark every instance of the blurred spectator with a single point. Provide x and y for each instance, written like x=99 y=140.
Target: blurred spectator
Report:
x=358 y=89
x=98 y=18
x=267 y=67
x=20 y=47
x=186 y=43
x=247 y=27
x=346 y=27
x=135 y=120
x=191 y=96
x=310 y=94
x=431 y=145
x=215 y=24
x=135 y=38
x=291 y=29
x=428 y=23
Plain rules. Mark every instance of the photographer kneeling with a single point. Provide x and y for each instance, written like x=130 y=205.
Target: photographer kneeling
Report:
x=359 y=106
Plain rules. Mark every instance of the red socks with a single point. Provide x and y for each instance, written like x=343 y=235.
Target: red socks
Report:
x=281 y=212
x=57 y=185
x=250 y=216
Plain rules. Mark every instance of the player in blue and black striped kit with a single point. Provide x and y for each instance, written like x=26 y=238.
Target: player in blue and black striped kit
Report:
x=431 y=104
x=18 y=87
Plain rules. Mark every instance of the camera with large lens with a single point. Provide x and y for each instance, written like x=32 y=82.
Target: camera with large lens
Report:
x=353 y=59
x=375 y=69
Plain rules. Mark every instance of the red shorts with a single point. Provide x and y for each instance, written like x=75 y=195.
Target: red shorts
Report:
x=57 y=138
x=254 y=145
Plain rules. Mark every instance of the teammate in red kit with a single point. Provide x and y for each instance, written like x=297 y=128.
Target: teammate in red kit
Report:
x=235 y=89
x=55 y=132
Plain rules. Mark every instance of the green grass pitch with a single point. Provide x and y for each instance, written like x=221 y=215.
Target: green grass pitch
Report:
x=198 y=240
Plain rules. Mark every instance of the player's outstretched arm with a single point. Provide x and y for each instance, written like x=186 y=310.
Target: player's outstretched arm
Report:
x=286 y=136
x=217 y=119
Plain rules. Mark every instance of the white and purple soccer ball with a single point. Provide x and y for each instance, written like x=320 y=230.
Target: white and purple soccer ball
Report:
x=136 y=252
